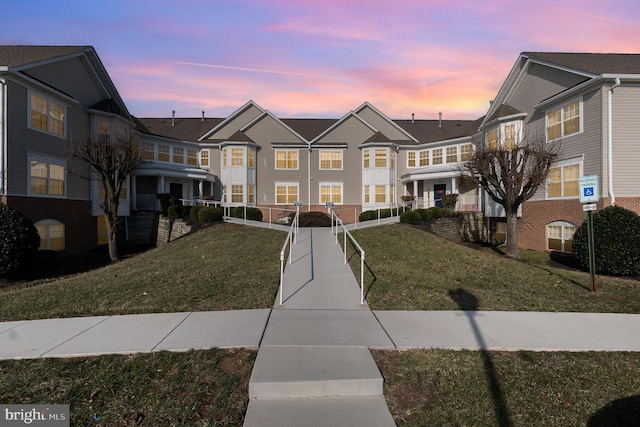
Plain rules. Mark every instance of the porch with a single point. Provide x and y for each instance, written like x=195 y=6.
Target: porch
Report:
x=426 y=192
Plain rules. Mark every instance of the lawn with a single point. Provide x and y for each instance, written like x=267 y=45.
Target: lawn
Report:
x=411 y=269
x=207 y=270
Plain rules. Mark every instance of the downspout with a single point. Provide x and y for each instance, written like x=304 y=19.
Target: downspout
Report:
x=309 y=180
x=3 y=137
x=610 y=143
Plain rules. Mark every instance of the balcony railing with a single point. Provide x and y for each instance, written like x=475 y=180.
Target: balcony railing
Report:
x=464 y=203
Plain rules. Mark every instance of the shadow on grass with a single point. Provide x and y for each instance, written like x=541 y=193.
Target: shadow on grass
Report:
x=469 y=303
x=374 y=278
x=619 y=413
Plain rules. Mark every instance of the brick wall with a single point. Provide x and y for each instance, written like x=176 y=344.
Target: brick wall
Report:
x=80 y=227
x=536 y=215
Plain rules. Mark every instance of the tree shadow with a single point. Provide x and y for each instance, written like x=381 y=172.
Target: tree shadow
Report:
x=469 y=303
x=619 y=413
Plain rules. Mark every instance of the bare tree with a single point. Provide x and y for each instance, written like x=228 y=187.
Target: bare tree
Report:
x=112 y=161
x=511 y=174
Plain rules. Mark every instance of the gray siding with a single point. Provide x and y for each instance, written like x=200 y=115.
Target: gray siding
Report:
x=382 y=124
x=236 y=123
x=268 y=130
x=626 y=140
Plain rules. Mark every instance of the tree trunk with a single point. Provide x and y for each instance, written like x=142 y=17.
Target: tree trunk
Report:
x=512 y=234
x=112 y=240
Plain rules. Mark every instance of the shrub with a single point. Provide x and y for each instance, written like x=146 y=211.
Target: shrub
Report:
x=616 y=236
x=367 y=216
x=254 y=214
x=18 y=239
x=186 y=210
x=449 y=201
x=193 y=213
x=175 y=211
x=437 y=212
x=425 y=214
x=313 y=219
x=410 y=217
x=209 y=214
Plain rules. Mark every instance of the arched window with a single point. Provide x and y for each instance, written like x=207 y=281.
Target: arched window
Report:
x=560 y=236
x=51 y=234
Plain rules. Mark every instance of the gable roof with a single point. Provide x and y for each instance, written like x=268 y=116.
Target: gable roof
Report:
x=426 y=131
x=183 y=129
x=22 y=56
x=592 y=63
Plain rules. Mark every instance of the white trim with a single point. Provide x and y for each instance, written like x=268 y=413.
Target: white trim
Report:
x=578 y=160
x=563 y=224
x=320 y=151
x=48 y=160
x=560 y=107
x=275 y=159
x=331 y=185
x=49 y=100
x=47 y=223
x=285 y=184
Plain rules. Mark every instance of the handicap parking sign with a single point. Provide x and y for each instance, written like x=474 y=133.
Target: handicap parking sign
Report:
x=589 y=189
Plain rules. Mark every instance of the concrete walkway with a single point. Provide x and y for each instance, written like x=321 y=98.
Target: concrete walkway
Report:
x=313 y=366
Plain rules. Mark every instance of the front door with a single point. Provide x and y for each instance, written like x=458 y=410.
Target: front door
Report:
x=439 y=190
x=175 y=188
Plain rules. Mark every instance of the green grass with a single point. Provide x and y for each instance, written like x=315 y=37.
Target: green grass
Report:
x=464 y=388
x=223 y=267
x=410 y=269
x=204 y=388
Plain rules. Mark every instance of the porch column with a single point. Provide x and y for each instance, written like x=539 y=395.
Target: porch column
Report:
x=160 y=190
x=415 y=188
x=200 y=188
x=454 y=186
x=426 y=202
x=133 y=192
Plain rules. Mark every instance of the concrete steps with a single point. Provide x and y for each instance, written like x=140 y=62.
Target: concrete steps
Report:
x=335 y=412
x=304 y=372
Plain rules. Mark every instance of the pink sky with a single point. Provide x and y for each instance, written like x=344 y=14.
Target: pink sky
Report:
x=302 y=58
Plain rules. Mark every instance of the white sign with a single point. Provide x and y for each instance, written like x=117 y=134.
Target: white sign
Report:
x=589 y=189
x=589 y=207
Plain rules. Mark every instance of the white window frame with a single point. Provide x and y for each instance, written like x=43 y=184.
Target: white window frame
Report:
x=47 y=114
x=46 y=240
x=413 y=160
x=562 y=164
x=287 y=185
x=331 y=160
x=331 y=186
x=204 y=154
x=275 y=158
x=48 y=161
x=561 y=107
x=563 y=238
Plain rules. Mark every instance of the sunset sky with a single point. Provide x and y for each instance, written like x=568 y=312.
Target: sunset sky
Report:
x=304 y=58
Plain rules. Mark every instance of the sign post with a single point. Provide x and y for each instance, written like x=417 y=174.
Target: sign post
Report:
x=589 y=196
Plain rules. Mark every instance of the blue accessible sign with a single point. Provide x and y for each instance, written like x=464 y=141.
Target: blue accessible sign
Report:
x=589 y=189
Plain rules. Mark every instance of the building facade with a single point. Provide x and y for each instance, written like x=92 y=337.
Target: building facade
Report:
x=584 y=103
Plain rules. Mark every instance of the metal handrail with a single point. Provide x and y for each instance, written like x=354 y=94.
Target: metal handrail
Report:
x=292 y=238
x=346 y=234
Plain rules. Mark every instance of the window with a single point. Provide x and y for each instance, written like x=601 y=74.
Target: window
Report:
x=286 y=193
x=411 y=159
x=178 y=155
x=492 y=139
x=381 y=194
x=331 y=192
x=452 y=154
x=224 y=157
x=163 y=153
x=560 y=236
x=424 y=158
x=237 y=157
x=51 y=235
x=46 y=115
x=237 y=193
x=148 y=151
x=204 y=158
x=392 y=158
x=104 y=130
x=331 y=160
x=563 y=181
x=466 y=152
x=252 y=159
x=102 y=229
x=392 y=193
x=437 y=156
x=501 y=232
x=251 y=194
x=192 y=157
x=367 y=196
x=381 y=158
x=509 y=136
x=47 y=178
x=286 y=159
x=563 y=121
x=365 y=159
